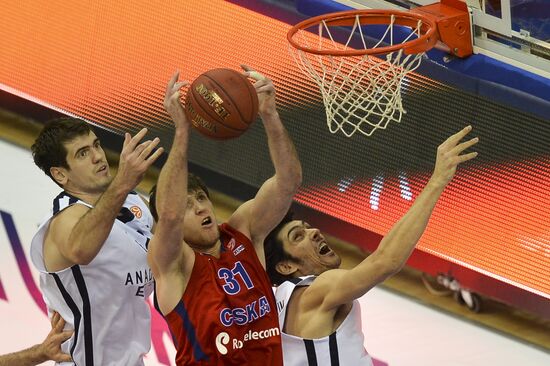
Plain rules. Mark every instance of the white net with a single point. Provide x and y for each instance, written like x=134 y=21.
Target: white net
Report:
x=360 y=93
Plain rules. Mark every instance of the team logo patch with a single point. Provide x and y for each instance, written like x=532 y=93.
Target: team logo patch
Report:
x=231 y=244
x=136 y=211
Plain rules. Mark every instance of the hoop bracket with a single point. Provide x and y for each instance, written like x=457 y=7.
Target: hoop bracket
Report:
x=453 y=25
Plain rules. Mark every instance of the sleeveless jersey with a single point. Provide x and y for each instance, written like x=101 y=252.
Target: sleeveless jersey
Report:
x=343 y=347
x=227 y=314
x=105 y=300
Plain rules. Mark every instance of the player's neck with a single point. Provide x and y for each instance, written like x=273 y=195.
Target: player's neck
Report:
x=88 y=197
x=212 y=250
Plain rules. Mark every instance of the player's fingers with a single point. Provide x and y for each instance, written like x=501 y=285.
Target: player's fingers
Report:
x=267 y=88
x=454 y=139
x=179 y=85
x=462 y=158
x=464 y=145
x=175 y=97
x=134 y=141
x=246 y=67
x=60 y=324
x=149 y=147
x=172 y=81
x=255 y=75
x=154 y=156
x=63 y=358
x=55 y=318
x=66 y=335
x=127 y=138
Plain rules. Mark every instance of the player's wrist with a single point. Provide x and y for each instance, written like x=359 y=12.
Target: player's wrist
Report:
x=38 y=353
x=270 y=113
x=120 y=185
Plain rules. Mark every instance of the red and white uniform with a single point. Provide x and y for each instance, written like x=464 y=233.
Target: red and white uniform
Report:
x=227 y=314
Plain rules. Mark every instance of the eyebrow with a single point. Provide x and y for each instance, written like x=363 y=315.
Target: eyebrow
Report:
x=295 y=227
x=85 y=147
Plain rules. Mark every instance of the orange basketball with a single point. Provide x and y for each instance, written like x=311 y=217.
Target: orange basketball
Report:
x=221 y=103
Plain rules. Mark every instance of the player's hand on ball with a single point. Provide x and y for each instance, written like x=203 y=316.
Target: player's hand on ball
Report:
x=172 y=101
x=265 y=89
x=449 y=156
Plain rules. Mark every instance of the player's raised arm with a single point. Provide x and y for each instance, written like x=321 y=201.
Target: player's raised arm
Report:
x=79 y=232
x=259 y=216
x=167 y=249
x=338 y=287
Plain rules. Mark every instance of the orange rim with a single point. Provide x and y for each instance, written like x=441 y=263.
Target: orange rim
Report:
x=426 y=41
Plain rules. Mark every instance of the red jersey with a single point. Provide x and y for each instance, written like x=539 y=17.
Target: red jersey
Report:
x=227 y=314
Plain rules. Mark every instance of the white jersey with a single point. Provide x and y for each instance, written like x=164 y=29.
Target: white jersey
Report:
x=343 y=347
x=105 y=300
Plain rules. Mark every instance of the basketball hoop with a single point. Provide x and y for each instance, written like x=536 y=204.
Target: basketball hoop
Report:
x=360 y=58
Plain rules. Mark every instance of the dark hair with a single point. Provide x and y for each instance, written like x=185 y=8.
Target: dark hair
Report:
x=194 y=183
x=49 y=150
x=275 y=252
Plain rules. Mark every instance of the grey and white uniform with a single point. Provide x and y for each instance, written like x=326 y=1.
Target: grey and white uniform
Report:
x=105 y=300
x=343 y=347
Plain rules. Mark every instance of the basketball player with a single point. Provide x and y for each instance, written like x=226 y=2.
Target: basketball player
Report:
x=211 y=283
x=317 y=302
x=91 y=251
x=49 y=349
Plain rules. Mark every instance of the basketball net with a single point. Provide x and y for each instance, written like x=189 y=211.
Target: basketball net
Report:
x=361 y=93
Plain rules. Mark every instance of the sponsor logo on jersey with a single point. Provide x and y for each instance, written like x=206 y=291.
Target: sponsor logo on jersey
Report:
x=136 y=211
x=223 y=339
x=231 y=244
x=239 y=249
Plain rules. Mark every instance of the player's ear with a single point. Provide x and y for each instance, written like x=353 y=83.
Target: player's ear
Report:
x=59 y=174
x=286 y=268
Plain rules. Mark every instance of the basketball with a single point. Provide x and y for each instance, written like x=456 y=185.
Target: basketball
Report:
x=221 y=104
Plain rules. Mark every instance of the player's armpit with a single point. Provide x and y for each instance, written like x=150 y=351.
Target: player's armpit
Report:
x=171 y=270
x=257 y=217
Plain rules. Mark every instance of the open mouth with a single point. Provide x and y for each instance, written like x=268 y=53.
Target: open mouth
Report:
x=102 y=169
x=206 y=221
x=324 y=249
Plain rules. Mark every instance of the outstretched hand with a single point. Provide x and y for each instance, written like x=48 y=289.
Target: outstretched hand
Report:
x=172 y=101
x=265 y=89
x=51 y=347
x=449 y=156
x=136 y=158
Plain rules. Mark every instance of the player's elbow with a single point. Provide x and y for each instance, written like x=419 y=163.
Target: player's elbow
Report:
x=293 y=180
x=297 y=177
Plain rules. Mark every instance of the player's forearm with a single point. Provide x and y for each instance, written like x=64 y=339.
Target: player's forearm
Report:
x=89 y=234
x=28 y=357
x=172 y=197
x=172 y=184
x=398 y=244
x=283 y=153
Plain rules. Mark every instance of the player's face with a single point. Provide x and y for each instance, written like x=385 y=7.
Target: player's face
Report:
x=200 y=226
x=309 y=246
x=88 y=167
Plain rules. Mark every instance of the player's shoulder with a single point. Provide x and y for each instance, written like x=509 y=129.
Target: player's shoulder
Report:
x=69 y=214
x=320 y=285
